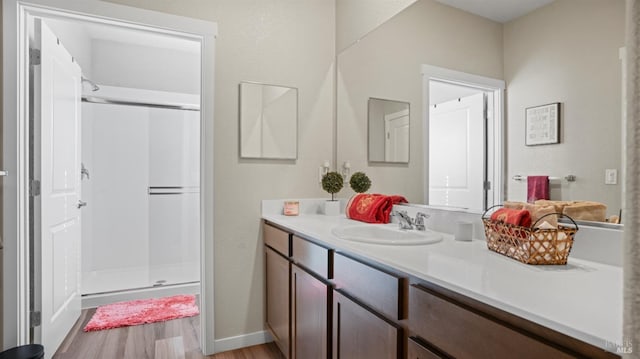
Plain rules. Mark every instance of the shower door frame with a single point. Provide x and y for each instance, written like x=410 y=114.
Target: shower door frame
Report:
x=16 y=134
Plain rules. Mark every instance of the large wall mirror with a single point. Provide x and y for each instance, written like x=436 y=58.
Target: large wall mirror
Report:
x=268 y=121
x=388 y=122
x=539 y=64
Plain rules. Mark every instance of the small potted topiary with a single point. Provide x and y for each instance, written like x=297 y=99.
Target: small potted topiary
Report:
x=332 y=182
x=360 y=182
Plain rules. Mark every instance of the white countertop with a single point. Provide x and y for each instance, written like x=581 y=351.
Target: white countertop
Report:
x=582 y=299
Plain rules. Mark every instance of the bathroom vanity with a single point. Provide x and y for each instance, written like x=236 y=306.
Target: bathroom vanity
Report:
x=328 y=297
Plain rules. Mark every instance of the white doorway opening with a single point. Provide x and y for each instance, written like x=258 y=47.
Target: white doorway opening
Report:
x=17 y=142
x=472 y=129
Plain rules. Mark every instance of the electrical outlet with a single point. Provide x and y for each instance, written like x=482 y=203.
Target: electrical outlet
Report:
x=610 y=176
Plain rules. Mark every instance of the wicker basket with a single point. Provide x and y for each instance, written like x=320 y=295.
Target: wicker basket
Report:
x=530 y=245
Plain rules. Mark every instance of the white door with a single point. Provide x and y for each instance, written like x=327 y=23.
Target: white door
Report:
x=457 y=153
x=57 y=118
x=396 y=129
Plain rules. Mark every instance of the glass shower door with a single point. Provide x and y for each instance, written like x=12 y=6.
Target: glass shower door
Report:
x=142 y=227
x=174 y=196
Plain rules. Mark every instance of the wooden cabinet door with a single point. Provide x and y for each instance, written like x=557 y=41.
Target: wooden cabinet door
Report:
x=309 y=330
x=417 y=351
x=360 y=334
x=278 y=305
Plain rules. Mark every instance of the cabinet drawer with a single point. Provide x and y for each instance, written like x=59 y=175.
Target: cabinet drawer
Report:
x=311 y=256
x=463 y=333
x=277 y=239
x=380 y=290
x=417 y=351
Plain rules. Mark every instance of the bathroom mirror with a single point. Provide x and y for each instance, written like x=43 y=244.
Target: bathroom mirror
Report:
x=580 y=69
x=388 y=122
x=268 y=121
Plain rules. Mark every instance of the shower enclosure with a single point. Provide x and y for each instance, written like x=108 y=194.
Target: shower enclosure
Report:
x=141 y=178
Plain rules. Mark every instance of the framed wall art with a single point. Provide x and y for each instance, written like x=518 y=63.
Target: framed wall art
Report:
x=542 y=124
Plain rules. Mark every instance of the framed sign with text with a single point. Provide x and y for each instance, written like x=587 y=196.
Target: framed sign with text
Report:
x=542 y=124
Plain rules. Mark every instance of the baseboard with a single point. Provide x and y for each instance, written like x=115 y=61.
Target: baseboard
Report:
x=241 y=341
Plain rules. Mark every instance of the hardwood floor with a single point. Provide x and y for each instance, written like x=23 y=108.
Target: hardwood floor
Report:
x=174 y=339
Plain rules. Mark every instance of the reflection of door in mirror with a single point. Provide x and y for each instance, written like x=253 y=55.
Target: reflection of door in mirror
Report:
x=388 y=126
x=457 y=148
x=396 y=128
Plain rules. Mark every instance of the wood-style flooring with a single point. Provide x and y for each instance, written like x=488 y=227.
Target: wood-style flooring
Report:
x=174 y=339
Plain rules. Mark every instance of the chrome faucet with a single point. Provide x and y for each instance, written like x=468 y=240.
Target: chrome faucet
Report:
x=419 y=221
x=405 y=222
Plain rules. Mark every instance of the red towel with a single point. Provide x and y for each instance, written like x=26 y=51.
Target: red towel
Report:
x=372 y=208
x=537 y=188
x=517 y=217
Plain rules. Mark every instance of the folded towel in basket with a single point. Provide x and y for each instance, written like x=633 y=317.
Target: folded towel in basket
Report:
x=586 y=211
x=516 y=217
x=372 y=208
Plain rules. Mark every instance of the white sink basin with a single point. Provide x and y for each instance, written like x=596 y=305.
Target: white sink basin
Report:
x=385 y=234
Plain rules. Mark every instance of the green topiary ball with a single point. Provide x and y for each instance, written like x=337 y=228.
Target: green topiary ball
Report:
x=332 y=182
x=360 y=182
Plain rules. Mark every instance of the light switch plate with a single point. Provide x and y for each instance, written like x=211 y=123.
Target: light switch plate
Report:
x=610 y=176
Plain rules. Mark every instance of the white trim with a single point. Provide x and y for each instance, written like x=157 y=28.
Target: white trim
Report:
x=15 y=270
x=242 y=341
x=15 y=142
x=497 y=175
x=622 y=55
x=462 y=78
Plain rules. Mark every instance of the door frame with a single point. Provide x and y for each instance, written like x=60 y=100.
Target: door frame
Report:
x=15 y=132
x=495 y=126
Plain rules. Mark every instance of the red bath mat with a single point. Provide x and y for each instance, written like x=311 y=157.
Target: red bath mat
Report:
x=142 y=311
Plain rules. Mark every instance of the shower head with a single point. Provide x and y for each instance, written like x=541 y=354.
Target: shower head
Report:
x=94 y=87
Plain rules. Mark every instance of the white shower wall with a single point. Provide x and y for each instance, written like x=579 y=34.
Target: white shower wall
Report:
x=134 y=237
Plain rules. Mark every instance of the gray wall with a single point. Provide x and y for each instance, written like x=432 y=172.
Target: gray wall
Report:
x=567 y=52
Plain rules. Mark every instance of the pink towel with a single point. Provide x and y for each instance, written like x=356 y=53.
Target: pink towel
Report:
x=537 y=188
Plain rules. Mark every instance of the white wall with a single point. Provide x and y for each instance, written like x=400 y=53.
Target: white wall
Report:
x=132 y=65
x=279 y=42
x=356 y=18
x=567 y=52
x=129 y=64
x=387 y=64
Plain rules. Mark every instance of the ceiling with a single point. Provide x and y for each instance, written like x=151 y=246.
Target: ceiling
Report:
x=497 y=10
